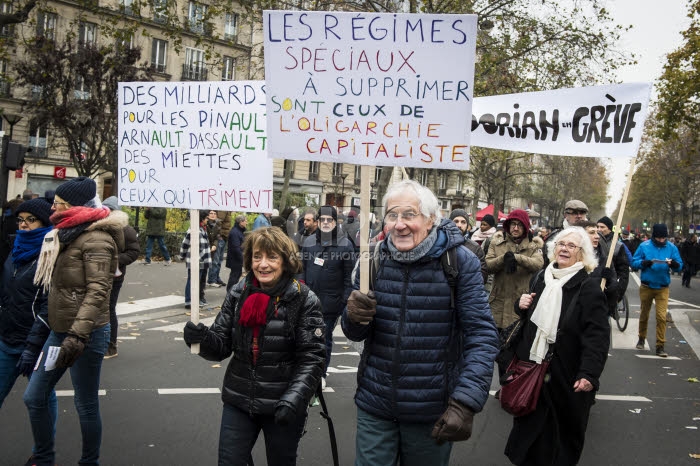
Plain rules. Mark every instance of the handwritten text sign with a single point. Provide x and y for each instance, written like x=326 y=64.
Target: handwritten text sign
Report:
x=599 y=121
x=194 y=145
x=370 y=88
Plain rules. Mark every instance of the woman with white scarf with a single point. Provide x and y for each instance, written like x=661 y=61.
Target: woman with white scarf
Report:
x=567 y=314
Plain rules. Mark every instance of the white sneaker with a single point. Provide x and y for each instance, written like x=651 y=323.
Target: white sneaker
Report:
x=167 y=263
x=323 y=383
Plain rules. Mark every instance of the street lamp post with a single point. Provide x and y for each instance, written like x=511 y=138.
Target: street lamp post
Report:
x=12 y=119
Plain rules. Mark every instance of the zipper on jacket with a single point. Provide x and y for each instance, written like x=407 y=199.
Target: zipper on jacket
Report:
x=397 y=351
x=252 y=391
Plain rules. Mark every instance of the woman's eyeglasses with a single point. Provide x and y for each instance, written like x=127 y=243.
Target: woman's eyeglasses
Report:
x=57 y=203
x=567 y=246
x=28 y=220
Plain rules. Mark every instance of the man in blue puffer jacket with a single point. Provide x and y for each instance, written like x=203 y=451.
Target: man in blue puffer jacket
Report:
x=656 y=257
x=426 y=368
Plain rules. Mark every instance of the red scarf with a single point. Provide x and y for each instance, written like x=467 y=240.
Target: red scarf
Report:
x=77 y=215
x=254 y=315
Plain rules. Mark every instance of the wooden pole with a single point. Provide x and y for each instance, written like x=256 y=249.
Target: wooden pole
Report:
x=620 y=215
x=364 y=228
x=194 y=272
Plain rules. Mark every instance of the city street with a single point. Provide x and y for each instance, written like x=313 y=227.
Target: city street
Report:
x=162 y=405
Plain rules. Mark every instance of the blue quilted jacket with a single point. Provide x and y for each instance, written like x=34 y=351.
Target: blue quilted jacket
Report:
x=418 y=352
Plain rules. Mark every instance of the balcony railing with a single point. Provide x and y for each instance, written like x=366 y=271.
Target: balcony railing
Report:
x=5 y=90
x=313 y=176
x=194 y=73
x=158 y=67
x=38 y=152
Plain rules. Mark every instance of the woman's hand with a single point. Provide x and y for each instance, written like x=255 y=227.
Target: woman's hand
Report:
x=583 y=385
x=526 y=300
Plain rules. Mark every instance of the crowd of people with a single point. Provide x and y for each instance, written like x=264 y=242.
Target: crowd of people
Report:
x=442 y=294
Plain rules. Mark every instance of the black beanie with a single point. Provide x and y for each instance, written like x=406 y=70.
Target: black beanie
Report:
x=459 y=213
x=488 y=218
x=607 y=222
x=202 y=215
x=328 y=210
x=78 y=191
x=659 y=230
x=39 y=208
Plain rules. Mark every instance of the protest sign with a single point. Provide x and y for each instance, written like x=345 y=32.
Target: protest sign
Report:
x=598 y=121
x=370 y=88
x=194 y=145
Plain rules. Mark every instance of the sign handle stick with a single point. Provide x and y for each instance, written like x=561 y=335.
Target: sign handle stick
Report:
x=620 y=214
x=194 y=272
x=364 y=228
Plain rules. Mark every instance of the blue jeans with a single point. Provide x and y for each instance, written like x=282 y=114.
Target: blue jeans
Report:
x=85 y=375
x=239 y=431
x=9 y=355
x=381 y=442
x=202 y=283
x=161 y=245
x=216 y=258
x=330 y=322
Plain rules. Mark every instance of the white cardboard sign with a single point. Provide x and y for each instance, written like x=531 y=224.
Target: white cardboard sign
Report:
x=194 y=145
x=370 y=88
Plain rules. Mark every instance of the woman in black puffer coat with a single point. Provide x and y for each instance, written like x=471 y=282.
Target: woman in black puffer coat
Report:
x=272 y=326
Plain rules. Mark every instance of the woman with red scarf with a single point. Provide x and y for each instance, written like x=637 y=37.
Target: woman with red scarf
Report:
x=272 y=327
x=77 y=263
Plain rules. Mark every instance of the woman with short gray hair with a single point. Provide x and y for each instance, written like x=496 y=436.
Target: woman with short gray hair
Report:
x=566 y=323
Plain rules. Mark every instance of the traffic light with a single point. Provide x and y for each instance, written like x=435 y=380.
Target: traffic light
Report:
x=12 y=154
x=645 y=223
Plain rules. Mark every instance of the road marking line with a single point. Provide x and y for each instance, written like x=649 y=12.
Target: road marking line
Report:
x=642 y=399
x=675 y=301
x=682 y=321
x=653 y=356
x=349 y=353
x=187 y=391
x=126 y=338
x=328 y=390
x=72 y=392
x=148 y=304
x=178 y=326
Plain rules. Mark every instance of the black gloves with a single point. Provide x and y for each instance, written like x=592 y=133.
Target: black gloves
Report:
x=27 y=361
x=361 y=307
x=71 y=349
x=284 y=414
x=674 y=264
x=455 y=424
x=607 y=274
x=646 y=264
x=510 y=264
x=194 y=333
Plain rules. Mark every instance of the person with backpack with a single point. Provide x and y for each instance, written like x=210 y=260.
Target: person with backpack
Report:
x=271 y=326
x=429 y=338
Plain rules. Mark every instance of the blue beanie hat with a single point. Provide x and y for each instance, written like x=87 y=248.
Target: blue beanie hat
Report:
x=39 y=208
x=78 y=191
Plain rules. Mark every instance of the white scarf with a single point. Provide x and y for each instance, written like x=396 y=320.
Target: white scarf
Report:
x=47 y=259
x=548 y=310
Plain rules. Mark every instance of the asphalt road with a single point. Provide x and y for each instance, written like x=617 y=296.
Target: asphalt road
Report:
x=161 y=405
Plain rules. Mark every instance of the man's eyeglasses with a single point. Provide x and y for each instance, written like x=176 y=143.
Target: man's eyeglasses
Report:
x=576 y=212
x=406 y=217
x=325 y=219
x=567 y=246
x=28 y=220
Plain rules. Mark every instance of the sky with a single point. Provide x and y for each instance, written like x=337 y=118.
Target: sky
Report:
x=656 y=32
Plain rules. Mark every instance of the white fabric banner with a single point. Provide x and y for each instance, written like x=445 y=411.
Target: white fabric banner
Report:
x=370 y=88
x=598 y=121
x=194 y=145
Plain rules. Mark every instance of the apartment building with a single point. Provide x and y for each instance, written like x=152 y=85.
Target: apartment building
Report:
x=207 y=48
